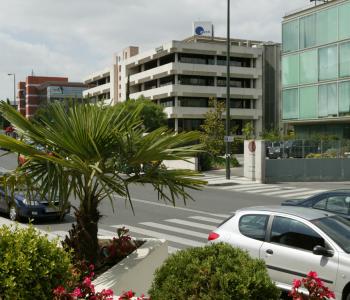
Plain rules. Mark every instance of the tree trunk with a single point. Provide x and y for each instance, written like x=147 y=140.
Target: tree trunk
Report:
x=83 y=235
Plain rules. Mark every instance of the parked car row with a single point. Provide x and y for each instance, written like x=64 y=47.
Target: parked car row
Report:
x=295 y=149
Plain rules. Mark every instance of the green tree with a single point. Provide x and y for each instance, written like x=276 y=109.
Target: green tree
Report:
x=87 y=147
x=151 y=114
x=213 y=128
x=248 y=130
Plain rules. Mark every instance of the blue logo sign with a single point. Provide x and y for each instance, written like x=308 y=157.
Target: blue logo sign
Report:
x=199 y=30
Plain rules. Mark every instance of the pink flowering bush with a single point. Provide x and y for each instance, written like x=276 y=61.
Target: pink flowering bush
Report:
x=314 y=285
x=83 y=290
x=130 y=294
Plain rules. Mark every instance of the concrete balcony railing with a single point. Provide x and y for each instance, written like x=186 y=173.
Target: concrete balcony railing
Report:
x=193 y=69
x=199 y=112
x=97 y=90
x=197 y=91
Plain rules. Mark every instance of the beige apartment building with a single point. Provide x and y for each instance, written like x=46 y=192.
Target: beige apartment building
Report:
x=183 y=75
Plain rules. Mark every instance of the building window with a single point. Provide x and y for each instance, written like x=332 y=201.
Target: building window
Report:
x=344 y=21
x=196 y=59
x=234 y=61
x=327 y=100
x=190 y=124
x=327 y=26
x=307 y=31
x=308 y=67
x=168 y=102
x=151 y=84
x=344 y=60
x=290 y=36
x=235 y=82
x=169 y=80
x=196 y=80
x=290 y=70
x=308 y=102
x=344 y=98
x=193 y=102
x=328 y=62
x=167 y=59
x=290 y=104
x=150 y=65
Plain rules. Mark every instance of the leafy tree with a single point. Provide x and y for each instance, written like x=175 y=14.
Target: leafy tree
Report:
x=213 y=128
x=151 y=114
x=87 y=148
x=248 y=130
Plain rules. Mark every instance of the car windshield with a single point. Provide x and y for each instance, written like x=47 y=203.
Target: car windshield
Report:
x=337 y=228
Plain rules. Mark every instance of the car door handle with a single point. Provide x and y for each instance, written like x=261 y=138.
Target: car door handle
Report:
x=269 y=251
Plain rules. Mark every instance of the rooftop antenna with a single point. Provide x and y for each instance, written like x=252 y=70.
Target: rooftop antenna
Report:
x=32 y=72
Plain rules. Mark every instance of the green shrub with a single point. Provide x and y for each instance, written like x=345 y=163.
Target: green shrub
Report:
x=216 y=271
x=31 y=266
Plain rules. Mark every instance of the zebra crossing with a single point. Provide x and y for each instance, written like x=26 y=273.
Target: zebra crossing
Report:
x=191 y=231
x=244 y=185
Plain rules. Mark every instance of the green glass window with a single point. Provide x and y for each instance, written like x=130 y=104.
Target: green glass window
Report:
x=290 y=70
x=290 y=36
x=327 y=100
x=344 y=21
x=327 y=26
x=344 y=60
x=308 y=102
x=308 y=70
x=328 y=62
x=344 y=98
x=290 y=104
x=307 y=31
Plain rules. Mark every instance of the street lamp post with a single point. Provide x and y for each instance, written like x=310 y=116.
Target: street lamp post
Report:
x=228 y=171
x=14 y=87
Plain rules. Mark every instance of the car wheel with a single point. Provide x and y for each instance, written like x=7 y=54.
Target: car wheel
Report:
x=13 y=214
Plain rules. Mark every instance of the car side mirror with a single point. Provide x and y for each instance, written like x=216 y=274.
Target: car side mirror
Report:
x=319 y=250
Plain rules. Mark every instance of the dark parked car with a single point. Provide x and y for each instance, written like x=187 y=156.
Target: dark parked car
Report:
x=36 y=208
x=276 y=150
x=337 y=201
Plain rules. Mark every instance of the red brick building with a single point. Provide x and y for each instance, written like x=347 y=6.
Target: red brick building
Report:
x=39 y=90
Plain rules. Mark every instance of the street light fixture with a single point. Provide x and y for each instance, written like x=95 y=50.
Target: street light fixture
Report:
x=228 y=81
x=14 y=87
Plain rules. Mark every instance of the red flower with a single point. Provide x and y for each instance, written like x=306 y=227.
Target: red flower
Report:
x=60 y=290
x=312 y=274
x=296 y=283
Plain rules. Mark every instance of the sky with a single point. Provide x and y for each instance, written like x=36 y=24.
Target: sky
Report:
x=74 y=38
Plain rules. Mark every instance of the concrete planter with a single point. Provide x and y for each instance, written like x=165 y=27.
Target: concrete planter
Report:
x=135 y=272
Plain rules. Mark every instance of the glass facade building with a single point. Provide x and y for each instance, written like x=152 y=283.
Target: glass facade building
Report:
x=316 y=68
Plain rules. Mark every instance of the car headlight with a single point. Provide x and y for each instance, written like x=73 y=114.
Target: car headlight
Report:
x=30 y=202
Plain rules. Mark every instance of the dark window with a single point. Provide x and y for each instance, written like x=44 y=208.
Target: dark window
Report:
x=253 y=226
x=150 y=65
x=193 y=102
x=196 y=59
x=235 y=82
x=151 y=85
x=189 y=124
x=169 y=80
x=337 y=204
x=167 y=59
x=168 y=102
x=196 y=80
x=293 y=233
x=234 y=61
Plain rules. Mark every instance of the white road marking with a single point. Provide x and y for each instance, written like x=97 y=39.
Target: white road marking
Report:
x=206 y=219
x=287 y=191
x=175 y=229
x=303 y=193
x=155 y=234
x=178 y=208
x=265 y=190
x=193 y=224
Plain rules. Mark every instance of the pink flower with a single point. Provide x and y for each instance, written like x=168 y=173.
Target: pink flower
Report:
x=296 y=283
x=60 y=290
x=312 y=274
x=77 y=292
x=87 y=281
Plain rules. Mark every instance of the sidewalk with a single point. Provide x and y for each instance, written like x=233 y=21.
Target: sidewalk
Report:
x=218 y=177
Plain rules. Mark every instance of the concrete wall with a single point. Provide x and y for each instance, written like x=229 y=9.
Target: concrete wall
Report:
x=296 y=170
x=191 y=164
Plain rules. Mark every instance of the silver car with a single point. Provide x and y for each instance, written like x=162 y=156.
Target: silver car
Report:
x=293 y=241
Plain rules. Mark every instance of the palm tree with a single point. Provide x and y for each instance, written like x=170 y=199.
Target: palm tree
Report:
x=94 y=154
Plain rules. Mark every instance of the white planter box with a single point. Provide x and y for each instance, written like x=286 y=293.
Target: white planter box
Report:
x=135 y=272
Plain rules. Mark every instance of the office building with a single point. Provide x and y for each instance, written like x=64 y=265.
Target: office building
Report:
x=39 y=90
x=316 y=69
x=183 y=75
